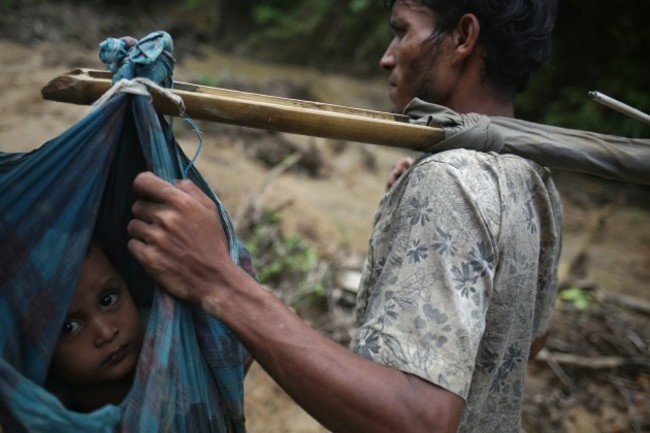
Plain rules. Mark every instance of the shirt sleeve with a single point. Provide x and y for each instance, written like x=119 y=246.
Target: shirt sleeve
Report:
x=426 y=311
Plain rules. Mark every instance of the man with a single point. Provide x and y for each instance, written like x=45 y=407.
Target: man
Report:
x=460 y=276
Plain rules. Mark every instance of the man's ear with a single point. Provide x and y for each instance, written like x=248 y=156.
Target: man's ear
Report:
x=465 y=36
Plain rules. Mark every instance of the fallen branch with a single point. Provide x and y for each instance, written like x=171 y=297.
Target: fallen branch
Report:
x=589 y=362
x=626 y=301
x=255 y=204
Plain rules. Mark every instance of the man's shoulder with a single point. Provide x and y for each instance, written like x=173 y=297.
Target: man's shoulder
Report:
x=468 y=160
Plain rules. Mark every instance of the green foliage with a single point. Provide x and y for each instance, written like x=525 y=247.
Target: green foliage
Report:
x=580 y=298
x=281 y=21
x=598 y=45
x=209 y=80
x=328 y=34
x=291 y=257
x=357 y=6
x=285 y=262
x=196 y=4
x=266 y=14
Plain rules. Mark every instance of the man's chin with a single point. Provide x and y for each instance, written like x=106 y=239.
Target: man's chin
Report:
x=392 y=94
x=398 y=105
x=397 y=108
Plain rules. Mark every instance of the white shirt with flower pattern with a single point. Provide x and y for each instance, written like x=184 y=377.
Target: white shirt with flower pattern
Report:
x=461 y=277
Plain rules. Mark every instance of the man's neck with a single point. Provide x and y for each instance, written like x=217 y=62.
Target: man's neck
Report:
x=482 y=101
x=472 y=94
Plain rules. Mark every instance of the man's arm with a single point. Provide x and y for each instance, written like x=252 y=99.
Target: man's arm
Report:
x=178 y=239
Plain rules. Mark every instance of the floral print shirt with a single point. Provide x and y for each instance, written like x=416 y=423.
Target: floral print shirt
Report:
x=461 y=277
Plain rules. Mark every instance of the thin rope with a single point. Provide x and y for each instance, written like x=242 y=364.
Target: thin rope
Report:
x=142 y=86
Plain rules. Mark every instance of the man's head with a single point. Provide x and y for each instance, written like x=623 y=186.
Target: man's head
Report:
x=102 y=333
x=443 y=47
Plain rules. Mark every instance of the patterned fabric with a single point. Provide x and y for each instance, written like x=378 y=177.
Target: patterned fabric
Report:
x=461 y=277
x=190 y=372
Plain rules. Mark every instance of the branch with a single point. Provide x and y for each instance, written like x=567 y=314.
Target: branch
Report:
x=589 y=362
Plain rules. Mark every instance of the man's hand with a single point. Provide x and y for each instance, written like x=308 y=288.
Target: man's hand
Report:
x=398 y=170
x=177 y=236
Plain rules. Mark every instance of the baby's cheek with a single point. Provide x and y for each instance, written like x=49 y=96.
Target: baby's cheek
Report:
x=75 y=363
x=62 y=357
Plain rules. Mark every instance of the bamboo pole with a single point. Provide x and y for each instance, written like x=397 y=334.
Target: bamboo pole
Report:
x=85 y=86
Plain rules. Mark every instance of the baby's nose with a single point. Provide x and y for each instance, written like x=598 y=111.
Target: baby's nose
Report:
x=105 y=331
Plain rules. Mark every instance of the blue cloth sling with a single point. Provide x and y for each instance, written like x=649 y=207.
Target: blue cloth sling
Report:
x=190 y=372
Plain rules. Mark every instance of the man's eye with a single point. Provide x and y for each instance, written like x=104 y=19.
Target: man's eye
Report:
x=398 y=32
x=70 y=327
x=109 y=299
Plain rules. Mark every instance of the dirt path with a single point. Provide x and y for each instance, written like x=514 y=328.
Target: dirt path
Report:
x=334 y=213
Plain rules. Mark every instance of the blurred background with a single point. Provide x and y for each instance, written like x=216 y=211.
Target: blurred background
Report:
x=601 y=46
x=304 y=205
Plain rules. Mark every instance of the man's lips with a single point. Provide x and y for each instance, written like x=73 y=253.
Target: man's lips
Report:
x=117 y=356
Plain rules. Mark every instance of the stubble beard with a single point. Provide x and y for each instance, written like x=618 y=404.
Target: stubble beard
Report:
x=425 y=68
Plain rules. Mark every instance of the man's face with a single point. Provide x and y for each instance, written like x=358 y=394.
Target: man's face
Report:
x=102 y=334
x=416 y=63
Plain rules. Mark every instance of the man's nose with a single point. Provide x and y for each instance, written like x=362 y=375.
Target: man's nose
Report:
x=387 y=61
x=105 y=331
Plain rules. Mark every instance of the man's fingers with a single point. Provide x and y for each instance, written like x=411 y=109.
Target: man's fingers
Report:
x=141 y=251
x=140 y=230
x=149 y=234
x=154 y=189
x=149 y=218
x=194 y=191
x=149 y=186
x=146 y=210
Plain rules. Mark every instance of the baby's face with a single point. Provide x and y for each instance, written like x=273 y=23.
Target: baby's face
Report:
x=102 y=334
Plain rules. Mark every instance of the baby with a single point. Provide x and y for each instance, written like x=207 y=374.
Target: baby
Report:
x=95 y=357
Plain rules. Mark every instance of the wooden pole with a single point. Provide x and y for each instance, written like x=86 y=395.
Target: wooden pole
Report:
x=85 y=86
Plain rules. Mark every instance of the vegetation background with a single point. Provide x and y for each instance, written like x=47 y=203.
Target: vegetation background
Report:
x=597 y=45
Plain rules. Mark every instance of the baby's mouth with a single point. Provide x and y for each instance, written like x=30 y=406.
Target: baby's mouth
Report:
x=117 y=356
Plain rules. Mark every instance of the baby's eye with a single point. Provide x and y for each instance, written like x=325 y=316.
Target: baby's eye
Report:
x=109 y=299
x=70 y=327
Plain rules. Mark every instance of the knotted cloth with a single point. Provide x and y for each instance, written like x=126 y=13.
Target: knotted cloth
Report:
x=189 y=376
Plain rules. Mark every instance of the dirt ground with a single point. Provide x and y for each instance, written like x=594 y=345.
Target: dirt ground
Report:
x=606 y=245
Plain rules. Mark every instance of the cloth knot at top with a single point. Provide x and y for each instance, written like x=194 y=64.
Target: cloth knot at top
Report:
x=150 y=57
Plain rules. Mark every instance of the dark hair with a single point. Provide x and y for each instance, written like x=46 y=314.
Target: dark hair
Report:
x=514 y=33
